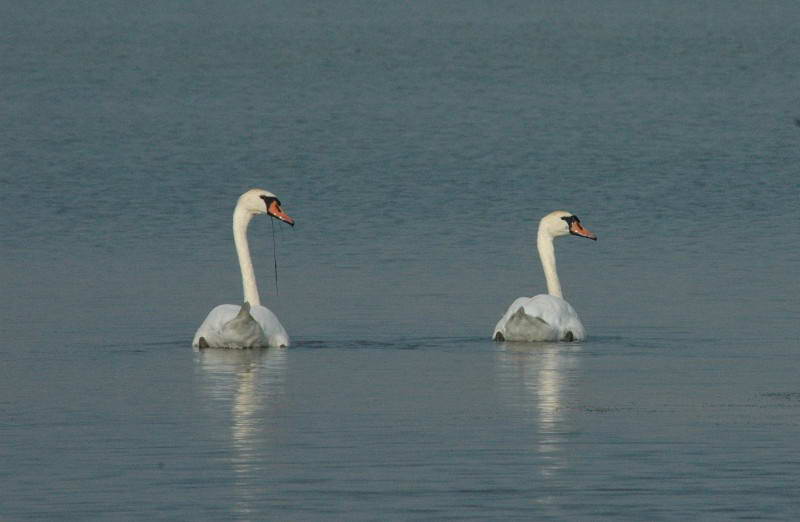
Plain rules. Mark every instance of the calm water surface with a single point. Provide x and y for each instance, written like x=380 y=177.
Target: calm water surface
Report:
x=417 y=146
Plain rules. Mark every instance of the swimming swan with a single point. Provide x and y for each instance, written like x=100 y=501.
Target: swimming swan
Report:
x=249 y=325
x=546 y=317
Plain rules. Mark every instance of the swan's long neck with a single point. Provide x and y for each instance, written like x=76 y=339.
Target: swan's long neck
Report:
x=547 y=254
x=241 y=218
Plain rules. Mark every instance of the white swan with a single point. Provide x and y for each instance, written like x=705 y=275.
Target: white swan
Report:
x=249 y=325
x=546 y=317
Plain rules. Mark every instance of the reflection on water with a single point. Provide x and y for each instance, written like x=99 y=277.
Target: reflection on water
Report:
x=539 y=379
x=246 y=389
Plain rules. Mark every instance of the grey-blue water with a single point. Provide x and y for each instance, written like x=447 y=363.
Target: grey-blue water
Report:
x=416 y=144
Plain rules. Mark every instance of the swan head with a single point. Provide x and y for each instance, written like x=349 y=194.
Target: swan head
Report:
x=563 y=223
x=260 y=201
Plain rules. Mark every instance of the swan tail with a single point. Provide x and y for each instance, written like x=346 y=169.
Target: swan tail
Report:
x=523 y=327
x=242 y=318
x=244 y=312
x=243 y=331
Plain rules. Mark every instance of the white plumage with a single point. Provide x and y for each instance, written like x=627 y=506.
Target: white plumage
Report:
x=240 y=326
x=545 y=317
x=250 y=325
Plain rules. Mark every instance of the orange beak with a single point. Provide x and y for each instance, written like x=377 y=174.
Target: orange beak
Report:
x=576 y=229
x=275 y=211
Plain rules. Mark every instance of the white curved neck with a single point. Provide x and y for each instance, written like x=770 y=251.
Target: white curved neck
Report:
x=241 y=218
x=547 y=254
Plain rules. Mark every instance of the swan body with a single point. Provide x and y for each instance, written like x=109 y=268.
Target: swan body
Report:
x=240 y=326
x=249 y=325
x=546 y=317
x=540 y=318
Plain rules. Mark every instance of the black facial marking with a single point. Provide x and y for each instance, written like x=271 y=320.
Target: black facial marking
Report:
x=571 y=219
x=269 y=199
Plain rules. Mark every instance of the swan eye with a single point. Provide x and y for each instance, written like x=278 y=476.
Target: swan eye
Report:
x=268 y=200
x=571 y=219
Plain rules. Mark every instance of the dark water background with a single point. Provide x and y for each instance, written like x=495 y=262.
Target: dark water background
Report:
x=416 y=144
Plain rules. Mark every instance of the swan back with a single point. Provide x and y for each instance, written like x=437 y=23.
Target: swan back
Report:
x=273 y=329
x=540 y=318
x=234 y=326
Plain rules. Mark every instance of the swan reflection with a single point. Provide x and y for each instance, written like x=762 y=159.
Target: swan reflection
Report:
x=539 y=379
x=246 y=388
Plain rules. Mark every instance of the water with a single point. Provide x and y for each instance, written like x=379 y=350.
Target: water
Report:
x=416 y=145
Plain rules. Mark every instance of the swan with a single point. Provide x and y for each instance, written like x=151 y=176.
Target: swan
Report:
x=546 y=317
x=249 y=325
